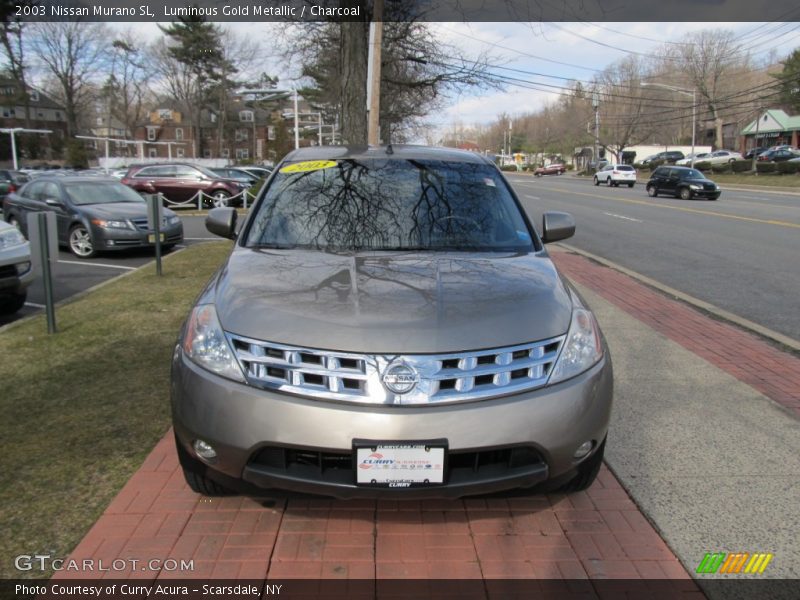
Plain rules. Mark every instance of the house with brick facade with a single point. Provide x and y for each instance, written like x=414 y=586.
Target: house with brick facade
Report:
x=43 y=112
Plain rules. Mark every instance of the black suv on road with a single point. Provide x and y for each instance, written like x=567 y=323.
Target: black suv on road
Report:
x=682 y=182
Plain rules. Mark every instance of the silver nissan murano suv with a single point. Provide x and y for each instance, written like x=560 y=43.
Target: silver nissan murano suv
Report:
x=389 y=324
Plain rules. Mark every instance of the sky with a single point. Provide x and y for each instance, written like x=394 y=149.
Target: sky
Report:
x=557 y=52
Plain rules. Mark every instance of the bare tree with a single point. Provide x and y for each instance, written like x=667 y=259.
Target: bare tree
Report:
x=12 y=38
x=74 y=54
x=126 y=88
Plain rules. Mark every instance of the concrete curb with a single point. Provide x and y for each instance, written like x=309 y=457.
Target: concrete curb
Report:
x=89 y=290
x=720 y=313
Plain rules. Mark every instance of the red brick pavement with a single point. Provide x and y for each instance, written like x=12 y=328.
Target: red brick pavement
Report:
x=597 y=534
x=744 y=355
x=594 y=534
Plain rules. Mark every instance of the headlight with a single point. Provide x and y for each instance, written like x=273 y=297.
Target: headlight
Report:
x=582 y=348
x=110 y=224
x=173 y=220
x=694 y=186
x=205 y=344
x=11 y=238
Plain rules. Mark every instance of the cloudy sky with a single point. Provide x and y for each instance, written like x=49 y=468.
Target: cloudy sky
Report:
x=555 y=52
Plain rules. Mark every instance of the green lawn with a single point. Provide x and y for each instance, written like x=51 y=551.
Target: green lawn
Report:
x=788 y=181
x=83 y=408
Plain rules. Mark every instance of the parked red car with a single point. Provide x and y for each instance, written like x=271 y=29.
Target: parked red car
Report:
x=556 y=169
x=179 y=182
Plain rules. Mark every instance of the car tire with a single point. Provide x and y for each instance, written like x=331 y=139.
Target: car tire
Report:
x=538 y=174
x=652 y=191
x=203 y=485
x=609 y=183
x=596 y=181
x=630 y=185
x=587 y=472
x=220 y=199
x=80 y=242
x=685 y=193
x=11 y=304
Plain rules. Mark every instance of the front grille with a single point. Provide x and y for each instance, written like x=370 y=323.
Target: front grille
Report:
x=141 y=223
x=8 y=271
x=337 y=467
x=456 y=377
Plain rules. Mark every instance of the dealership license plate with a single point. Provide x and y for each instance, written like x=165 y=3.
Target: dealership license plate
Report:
x=151 y=238
x=400 y=465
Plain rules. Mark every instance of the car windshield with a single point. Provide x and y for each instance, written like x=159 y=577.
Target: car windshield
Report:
x=389 y=204
x=693 y=174
x=100 y=192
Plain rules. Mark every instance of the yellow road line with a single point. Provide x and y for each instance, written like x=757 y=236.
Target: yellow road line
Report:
x=682 y=208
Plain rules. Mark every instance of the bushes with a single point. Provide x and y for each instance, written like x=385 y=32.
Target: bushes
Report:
x=721 y=168
x=765 y=167
x=788 y=167
x=742 y=166
x=702 y=165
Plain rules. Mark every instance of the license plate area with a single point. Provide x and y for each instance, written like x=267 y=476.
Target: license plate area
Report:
x=400 y=464
x=151 y=237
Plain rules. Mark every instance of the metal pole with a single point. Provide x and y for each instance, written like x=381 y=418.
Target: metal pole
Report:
x=296 y=123
x=320 y=128
x=694 y=123
x=106 y=169
x=755 y=154
x=14 y=148
x=169 y=151
x=157 y=228
x=44 y=246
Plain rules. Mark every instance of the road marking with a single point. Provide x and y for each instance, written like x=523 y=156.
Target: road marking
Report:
x=91 y=264
x=683 y=208
x=623 y=217
x=197 y=239
x=532 y=197
x=34 y=305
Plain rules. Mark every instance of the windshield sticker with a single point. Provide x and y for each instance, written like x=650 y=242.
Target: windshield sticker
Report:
x=308 y=165
x=489 y=182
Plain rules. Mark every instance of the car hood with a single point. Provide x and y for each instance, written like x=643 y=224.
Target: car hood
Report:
x=391 y=303
x=119 y=210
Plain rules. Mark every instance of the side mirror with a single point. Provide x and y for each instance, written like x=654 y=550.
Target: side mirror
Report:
x=222 y=222
x=557 y=226
x=54 y=203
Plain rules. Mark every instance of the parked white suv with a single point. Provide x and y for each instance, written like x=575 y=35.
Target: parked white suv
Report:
x=616 y=174
x=15 y=268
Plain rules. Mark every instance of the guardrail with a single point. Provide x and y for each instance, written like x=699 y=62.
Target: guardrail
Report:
x=201 y=199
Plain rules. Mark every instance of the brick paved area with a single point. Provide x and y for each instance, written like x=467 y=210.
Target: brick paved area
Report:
x=588 y=535
x=747 y=357
x=594 y=534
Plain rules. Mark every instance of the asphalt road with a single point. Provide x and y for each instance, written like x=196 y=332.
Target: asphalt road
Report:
x=740 y=253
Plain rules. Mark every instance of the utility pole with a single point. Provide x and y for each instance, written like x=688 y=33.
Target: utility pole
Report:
x=596 y=106
x=374 y=74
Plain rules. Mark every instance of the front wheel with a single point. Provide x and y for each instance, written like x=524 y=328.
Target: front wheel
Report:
x=220 y=199
x=203 y=485
x=652 y=191
x=686 y=193
x=596 y=181
x=80 y=242
x=630 y=185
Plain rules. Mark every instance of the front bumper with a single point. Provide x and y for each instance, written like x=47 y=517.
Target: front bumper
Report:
x=243 y=423
x=107 y=239
x=12 y=281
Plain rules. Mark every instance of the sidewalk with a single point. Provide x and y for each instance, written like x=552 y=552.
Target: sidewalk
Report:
x=703 y=437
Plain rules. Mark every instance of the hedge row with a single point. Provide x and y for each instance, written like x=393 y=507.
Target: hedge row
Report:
x=738 y=166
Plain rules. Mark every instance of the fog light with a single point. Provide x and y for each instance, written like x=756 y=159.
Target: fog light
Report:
x=23 y=267
x=583 y=450
x=204 y=450
x=109 y=242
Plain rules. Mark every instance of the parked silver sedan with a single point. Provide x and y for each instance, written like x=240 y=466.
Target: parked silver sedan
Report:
x=389 y=323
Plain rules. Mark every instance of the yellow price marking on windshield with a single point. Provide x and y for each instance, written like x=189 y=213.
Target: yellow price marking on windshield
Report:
x=308 y=165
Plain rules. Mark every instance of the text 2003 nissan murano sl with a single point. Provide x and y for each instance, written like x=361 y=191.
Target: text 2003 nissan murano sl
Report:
x=389 y=324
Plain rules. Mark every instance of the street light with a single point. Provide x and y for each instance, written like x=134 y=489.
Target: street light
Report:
x=692 y=94
x=288 y=115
